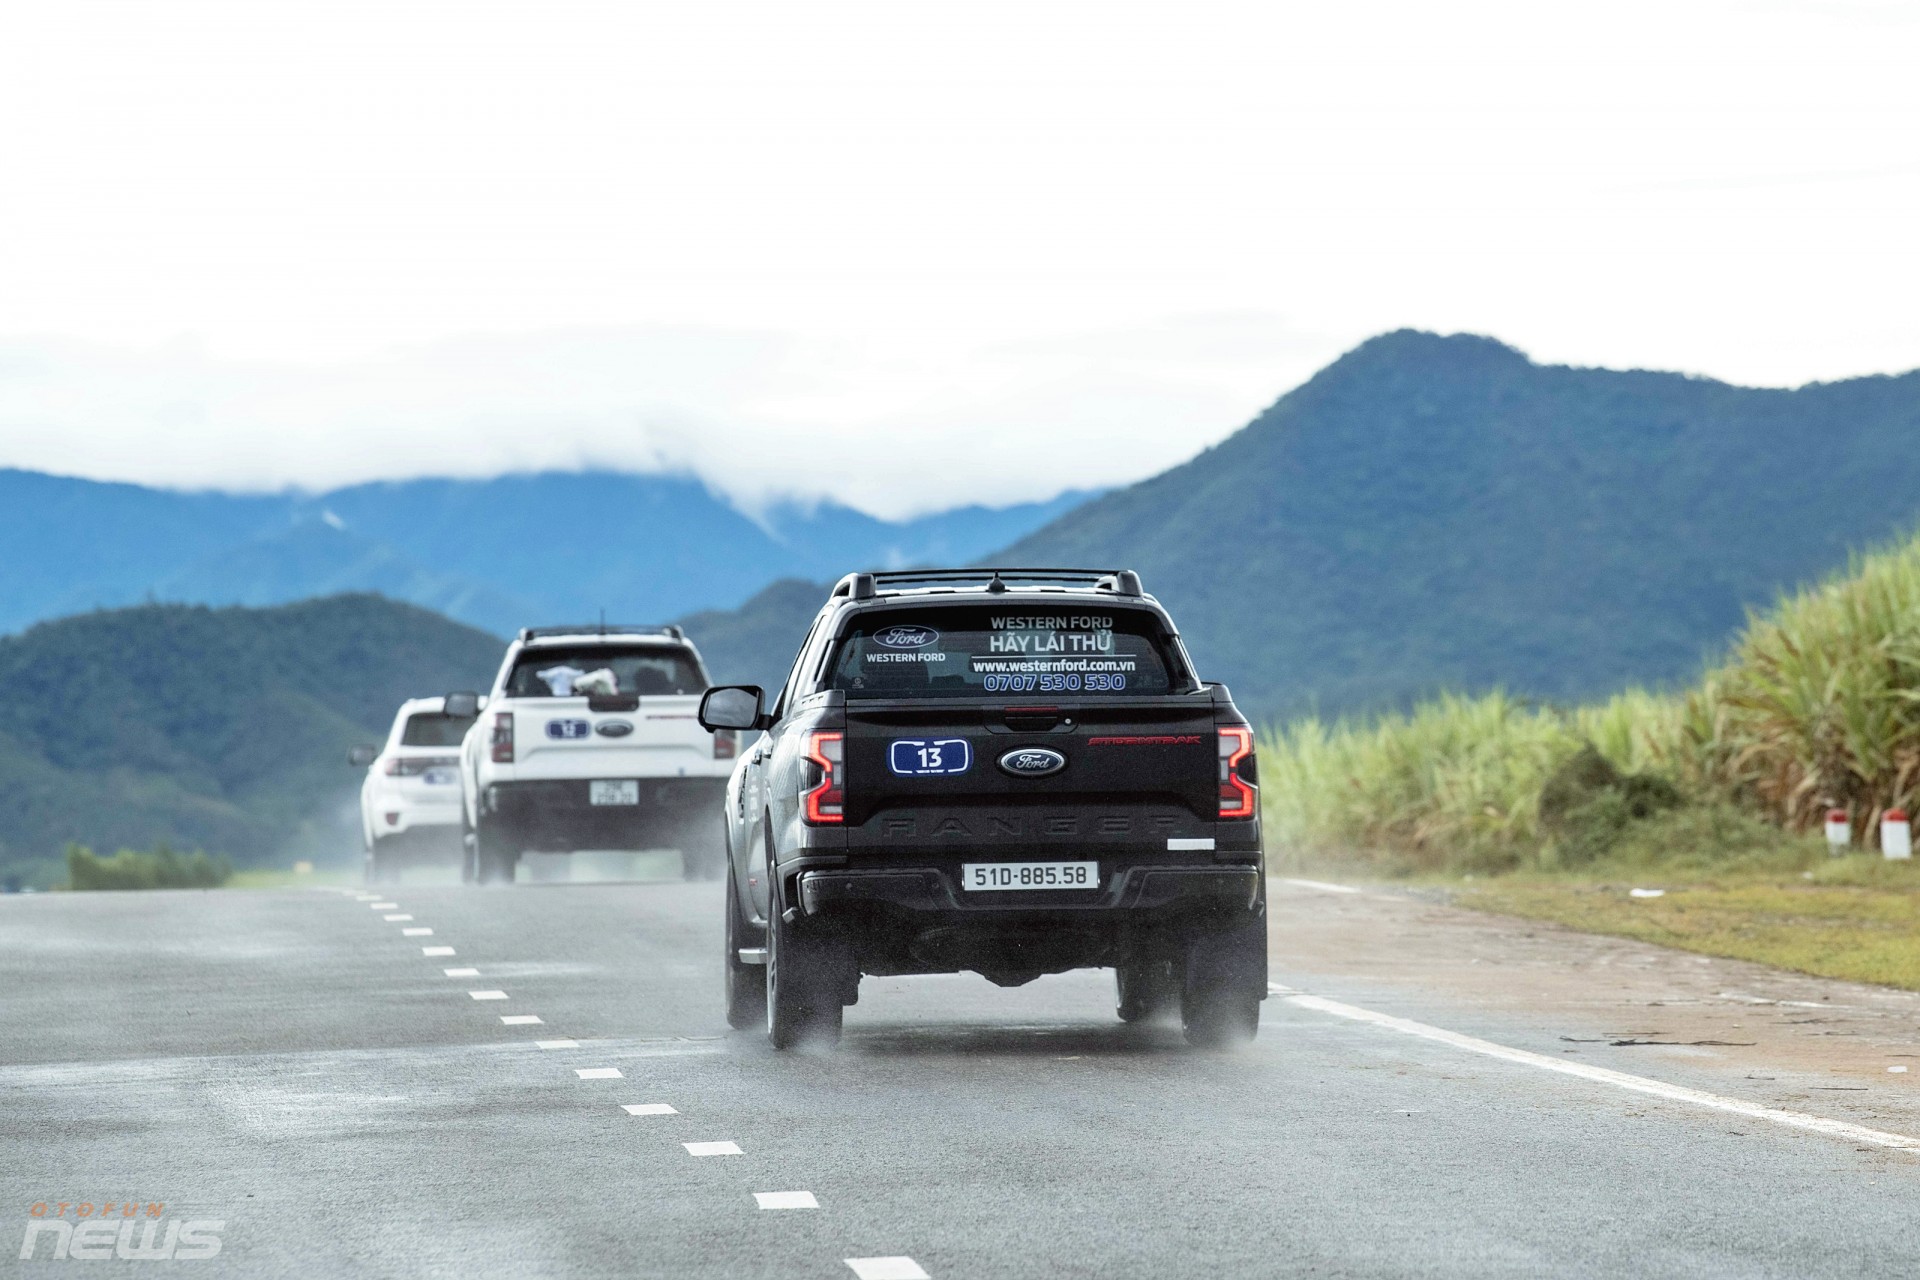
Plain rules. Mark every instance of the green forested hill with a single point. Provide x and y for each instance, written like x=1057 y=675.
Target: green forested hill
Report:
x=224 y=729
x=1442 y=513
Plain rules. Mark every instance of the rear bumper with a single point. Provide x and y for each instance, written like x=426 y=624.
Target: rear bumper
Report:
x=559 y=816
x=1143 y=889
x=915 y=920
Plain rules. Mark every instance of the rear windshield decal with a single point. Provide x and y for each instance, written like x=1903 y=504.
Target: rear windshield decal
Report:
x=905 y=637
x=929 y=757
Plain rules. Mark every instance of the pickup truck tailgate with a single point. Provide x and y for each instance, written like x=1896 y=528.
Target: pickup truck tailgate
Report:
x=1117 y=773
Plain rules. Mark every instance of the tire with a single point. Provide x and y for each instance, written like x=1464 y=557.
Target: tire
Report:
x=803 y=999
x=703 y=851
x=492 y=859
x=1225 y=982
x=1146 y=989
x=380 y=866
x=746 y=983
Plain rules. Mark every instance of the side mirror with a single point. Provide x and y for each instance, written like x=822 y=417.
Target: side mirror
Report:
x=733 y=706
x=461 y=706
x=361 y=757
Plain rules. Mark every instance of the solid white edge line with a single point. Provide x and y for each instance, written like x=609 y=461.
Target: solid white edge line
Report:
x=1322 y=885
x=1599 y=1075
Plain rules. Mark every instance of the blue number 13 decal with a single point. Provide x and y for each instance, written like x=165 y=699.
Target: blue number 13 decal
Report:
x=922 y=757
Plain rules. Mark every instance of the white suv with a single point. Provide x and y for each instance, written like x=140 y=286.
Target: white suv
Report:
x=410 y=801
x=591 y=740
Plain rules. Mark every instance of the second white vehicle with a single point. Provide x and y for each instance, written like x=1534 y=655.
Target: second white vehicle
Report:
x=410 y=801
x=591 y=740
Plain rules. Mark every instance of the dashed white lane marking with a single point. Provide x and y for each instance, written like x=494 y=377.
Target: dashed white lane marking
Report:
x=557 y=1044
x=1322 y=885
x=887 y=1269
x=597 y=1073
x=648 y=1109
x=395 y=919
x=786 y=1200
x=1600 y=1075
x=488 y=995
x=713 y=1148
x=520 y=1019
x=436 y=951
x=416 y=933
x=386 y=906
x=461 y=973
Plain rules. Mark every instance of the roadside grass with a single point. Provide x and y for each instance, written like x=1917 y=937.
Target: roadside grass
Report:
x=1856 y=918
x=286 y=878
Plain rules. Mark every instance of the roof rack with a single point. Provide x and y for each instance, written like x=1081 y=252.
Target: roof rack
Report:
x=601 y=629
x=864 y=586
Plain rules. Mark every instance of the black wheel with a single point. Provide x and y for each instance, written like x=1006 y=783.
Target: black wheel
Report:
x=380 y=864
x=492 y=857
x=1220 y=1019
x=746 y=983
x=1147 y=989
x=803 y=999
x=1225 y=982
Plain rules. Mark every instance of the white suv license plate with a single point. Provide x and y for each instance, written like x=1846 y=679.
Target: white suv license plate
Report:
x=1013 y=877
x=624 y=792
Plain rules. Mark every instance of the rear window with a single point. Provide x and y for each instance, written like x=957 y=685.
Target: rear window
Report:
x=1022 y=648
x=431 y=729
x=560 y=672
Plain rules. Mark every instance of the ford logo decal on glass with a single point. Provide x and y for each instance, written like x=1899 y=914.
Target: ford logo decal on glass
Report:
x=904 y=637
x=568 y=730
x=1032 y=762
x=613 y=728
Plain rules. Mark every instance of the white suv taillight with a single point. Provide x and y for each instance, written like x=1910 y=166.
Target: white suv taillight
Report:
x=726 y=744
x=825 y=798
x=503 y=737
x=1237 y=795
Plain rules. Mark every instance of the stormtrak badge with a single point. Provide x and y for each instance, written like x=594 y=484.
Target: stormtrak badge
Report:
x=904 y=637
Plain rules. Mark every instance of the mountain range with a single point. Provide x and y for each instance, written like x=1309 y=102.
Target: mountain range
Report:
x=498 y=554
x=1440 y=512
x=223 y=729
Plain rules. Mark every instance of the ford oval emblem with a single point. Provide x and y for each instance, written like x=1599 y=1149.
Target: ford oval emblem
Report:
x=613 y=728
x=1032 y=762
x=904 y=637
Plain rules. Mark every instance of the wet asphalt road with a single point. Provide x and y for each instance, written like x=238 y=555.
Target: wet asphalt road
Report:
x=291 y=1065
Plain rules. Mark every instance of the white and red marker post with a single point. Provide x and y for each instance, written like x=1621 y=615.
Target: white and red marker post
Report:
x=1896 y=836
x=1839 y=832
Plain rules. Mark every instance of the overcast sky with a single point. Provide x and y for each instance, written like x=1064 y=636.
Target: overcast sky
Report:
x=909 y=254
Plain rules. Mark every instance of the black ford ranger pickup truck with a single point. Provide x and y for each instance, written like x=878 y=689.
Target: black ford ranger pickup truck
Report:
x=1011 y=771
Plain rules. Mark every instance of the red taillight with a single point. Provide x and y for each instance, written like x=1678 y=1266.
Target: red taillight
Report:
x=503 y=737
x=726 y=744
x=826 y=800
x=1237 y=795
